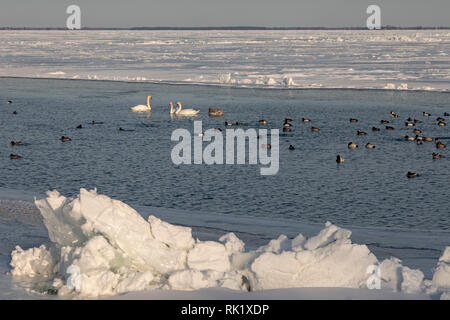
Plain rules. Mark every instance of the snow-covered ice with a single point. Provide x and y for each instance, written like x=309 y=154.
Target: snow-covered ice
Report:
x=103 y=247
x=383 y=59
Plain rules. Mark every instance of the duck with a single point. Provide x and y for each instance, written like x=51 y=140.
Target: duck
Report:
x=426 y=114
x=14 y=156
x=185 y=112
x=65 y=139
x=375 y=129
x=228 y=124
x=437 y=155
x=440 y=145
x=263 y=122
x=446 y=114
x=428 y=139
x=121 y=129
x=9 y=101
x=353 y=120
x=361 y=133
x=306 y=120
x=93 y=122
x=409 y=138
x=412 y=174
x=287 y=124
x=288 y=120
x=389 y=128
x=418 y=138
x=417 y=121
x=439 y=119
x=141 y=107
x=287 y=130
x=315 y=129
x=79 y=126
x=384 y=122
x=215 y=112
x=16 y=143
x=352 y=145
x=417 y=131
x=394 y=115
x=339 y=159
x=409 y=124
x=419 y=142
x=14 y=112
x=370 y=146
x=442 y=124
x=291 y=147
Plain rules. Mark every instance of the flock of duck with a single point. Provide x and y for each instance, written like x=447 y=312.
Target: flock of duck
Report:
x=287 y=124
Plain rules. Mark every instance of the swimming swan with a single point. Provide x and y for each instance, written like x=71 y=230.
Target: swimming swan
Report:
x=141 y=107
x=185 y=112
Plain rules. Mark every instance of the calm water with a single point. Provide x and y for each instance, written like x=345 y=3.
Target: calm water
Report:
x=369 y=189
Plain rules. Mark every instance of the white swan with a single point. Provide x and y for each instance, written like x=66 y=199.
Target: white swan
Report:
x=172 y=110
x=185 y=112
x=141 y=107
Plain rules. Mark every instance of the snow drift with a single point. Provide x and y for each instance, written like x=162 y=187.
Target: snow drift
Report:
x=102 y=247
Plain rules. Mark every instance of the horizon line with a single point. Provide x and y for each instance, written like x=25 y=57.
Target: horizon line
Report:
x=387 y=27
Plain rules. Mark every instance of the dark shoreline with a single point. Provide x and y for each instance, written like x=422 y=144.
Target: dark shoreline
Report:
x=231 y=28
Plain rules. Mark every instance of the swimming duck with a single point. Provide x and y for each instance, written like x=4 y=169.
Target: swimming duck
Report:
x=287 y=130
x=14 y=112
x=417 y=131
x=9 y=101
x=428 y=139
x=439 y=119
x=419 y=142
x=14 y=156
x=263 y=122
x=215 y=112
x=442 y=124
x=228 y=124
x=394 y=115
x=287 y=124
x=79 y=126
x=389 y=128
x=361 y=133
x=437 y=156
x=315 y=129
x=92 y=122
x=306 y=120
x=417 y=121
x=291 y=147
x=409 y=124
x=287 y=120
x=384 y=122
x=412 y=174
x=375 y=129
x=409 y=138
x=339 y=159
x=426 y=114
x=64 y=139
x=239 y=123
x=446 y=114
x=352 y=145
x=370 y=146
x=418 y=138
x=16 y=143
x=121 y=129
x=353 y=120
x=440 y=145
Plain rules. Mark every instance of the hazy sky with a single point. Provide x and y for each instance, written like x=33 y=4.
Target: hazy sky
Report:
x=191 y=13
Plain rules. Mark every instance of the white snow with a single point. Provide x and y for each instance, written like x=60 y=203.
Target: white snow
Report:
x=312 y=58
x=103 y=247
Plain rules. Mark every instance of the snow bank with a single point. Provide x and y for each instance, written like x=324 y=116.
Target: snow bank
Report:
x=103 y=247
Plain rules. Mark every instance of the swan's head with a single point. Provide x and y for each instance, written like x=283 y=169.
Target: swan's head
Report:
x=149 y=97
x=171 y=104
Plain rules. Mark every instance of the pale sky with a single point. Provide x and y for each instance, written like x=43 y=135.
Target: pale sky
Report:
x=198 y=13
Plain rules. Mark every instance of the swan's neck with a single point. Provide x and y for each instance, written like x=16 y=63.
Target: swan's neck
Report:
x=148 y=102
x=171 y=108
x=178 y=108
